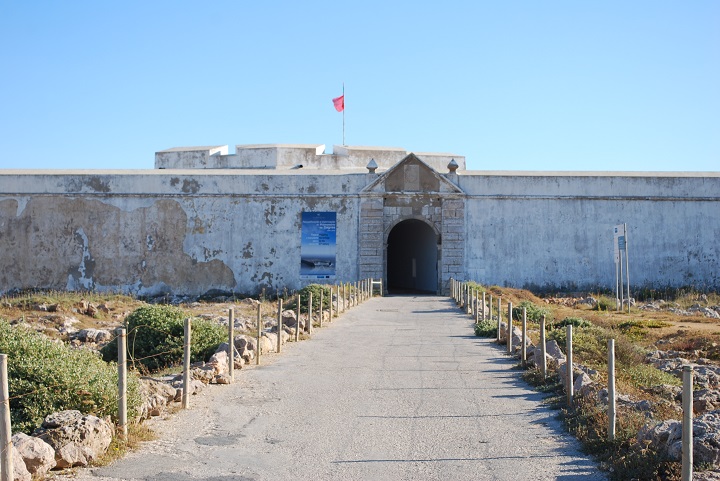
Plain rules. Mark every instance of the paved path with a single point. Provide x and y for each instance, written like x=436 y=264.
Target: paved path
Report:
x=396 y=389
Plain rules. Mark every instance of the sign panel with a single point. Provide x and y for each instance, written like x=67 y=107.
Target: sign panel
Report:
x=318 y=245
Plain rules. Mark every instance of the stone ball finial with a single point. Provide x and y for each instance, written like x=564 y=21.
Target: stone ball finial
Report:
x=452 y=166
x=372 y=166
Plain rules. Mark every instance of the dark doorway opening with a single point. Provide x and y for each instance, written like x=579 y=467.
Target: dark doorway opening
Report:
x=412 y=258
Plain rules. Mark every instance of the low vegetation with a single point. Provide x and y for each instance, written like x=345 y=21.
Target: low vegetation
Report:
x=635 y=335
x=46 y=377
x=155 y=337
x=315 y=290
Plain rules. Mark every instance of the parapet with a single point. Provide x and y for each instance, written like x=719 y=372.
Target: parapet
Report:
x=294 y=156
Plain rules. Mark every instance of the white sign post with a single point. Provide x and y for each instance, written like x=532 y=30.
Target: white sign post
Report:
x=620 y=247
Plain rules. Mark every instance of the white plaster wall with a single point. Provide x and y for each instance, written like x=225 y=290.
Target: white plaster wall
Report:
x=556 y=231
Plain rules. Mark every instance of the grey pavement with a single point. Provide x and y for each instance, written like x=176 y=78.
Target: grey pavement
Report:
x=398 y=388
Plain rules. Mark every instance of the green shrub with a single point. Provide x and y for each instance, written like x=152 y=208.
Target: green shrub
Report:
x=534 y=312
x=574 y=321
x=589 y=344
x=486 y=328
x=46 y=377
x=605 y=303
x=156 y=335
x=315 y=289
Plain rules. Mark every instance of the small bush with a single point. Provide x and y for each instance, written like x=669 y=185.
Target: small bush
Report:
x=156 y=335
x=46 y=377
x=605 y=303
x=573 y=321
x=486 y=328
x=646 y=376
x=315 y=289
x=534 y=312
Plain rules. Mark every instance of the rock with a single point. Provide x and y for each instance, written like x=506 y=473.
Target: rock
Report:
x=240 y=357
x=76 y=438
x=219 y=362
x=583 y=385
x=37 y=455
x=204 y=374
x=553 y=350
x=20 y=471
x=195 y=387
x=706 y=400
x=289 y=318
x=268 y=342
x=155 y=395
x=222 y=379
x=667 y=436
x=94 y=335
x=245 y=342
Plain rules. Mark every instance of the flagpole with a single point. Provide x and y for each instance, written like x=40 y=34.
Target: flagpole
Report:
x=343 y=114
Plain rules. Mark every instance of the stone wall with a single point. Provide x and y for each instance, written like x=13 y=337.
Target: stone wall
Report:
x=184 y=231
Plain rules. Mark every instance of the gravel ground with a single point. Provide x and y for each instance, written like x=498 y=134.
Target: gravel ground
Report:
x=396 y=389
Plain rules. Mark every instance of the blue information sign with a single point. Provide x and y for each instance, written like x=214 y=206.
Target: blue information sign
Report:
x=318 y=245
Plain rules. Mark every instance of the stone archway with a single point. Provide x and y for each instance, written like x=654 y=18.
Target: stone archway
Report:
x=412 y=258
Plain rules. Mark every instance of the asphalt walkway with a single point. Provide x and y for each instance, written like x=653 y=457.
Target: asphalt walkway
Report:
x=396 y=389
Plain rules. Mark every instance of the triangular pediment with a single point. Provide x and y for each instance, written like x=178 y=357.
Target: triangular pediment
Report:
x=412 y=175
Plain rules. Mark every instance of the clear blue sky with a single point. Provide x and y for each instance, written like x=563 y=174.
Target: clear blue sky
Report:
x=521 y=85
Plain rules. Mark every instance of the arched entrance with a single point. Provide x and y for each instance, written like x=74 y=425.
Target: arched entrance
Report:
x=412 y=255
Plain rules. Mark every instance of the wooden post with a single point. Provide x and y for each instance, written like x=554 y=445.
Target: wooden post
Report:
x=482 y=309
x=186 y=366
x=279 y=325
x=490 y=305
x=6 y=460
x=344 y=291
x=231 y=343
x=543 y=347
x=477 y=306
x=509 y=329
x=611 y=390
x=320 y=310
x=122 y=381
x=687 y=424
x=469 y=299
x=499 y=318
x=259 y=334
x=297 y=323
x=332 y=290
x=569 y=366
x=308 y=325
x=523 y=356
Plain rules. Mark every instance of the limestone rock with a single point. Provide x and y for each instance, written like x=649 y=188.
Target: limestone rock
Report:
x=243 y=343
x=20 y=471
x=289 y=318
x=196 y=387
x=38 y=456
x=76 y=438
x=219 y=362
x=155 y=395
x=553 y=350
x=667 y=436
x=94 y=335
x=706 y=400
x=268 y=341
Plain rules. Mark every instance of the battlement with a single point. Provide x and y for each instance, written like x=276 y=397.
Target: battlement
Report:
x=294 y=156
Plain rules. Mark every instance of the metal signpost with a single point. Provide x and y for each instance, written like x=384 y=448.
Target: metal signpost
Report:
x=621 y=278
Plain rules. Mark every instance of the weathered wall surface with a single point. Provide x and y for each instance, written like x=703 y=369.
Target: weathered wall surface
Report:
x=548 y=230
x=180 y=232
x=190 y=231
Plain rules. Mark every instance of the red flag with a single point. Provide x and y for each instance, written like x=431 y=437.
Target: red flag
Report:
x=339 y=103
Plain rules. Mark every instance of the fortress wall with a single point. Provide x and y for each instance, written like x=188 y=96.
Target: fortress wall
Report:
x=556 y=231
x=189 y=231
x=148 y=234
